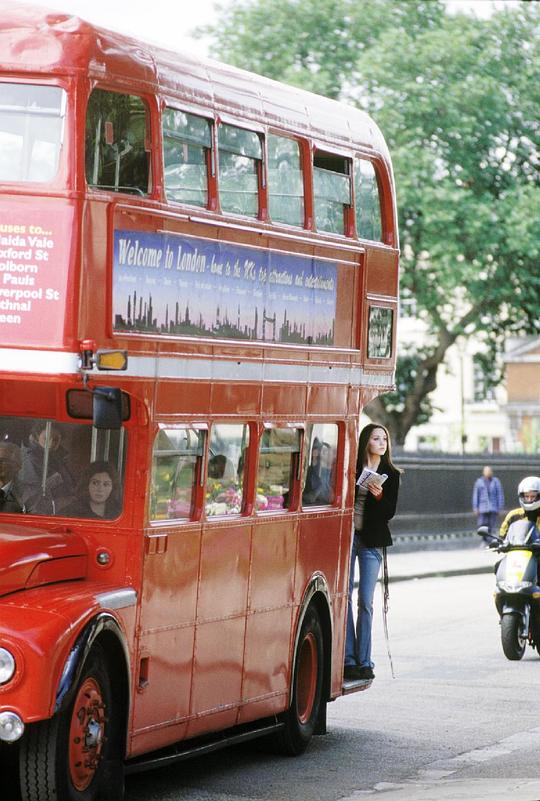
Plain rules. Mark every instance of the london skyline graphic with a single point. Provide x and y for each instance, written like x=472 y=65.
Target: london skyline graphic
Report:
x=185 y=286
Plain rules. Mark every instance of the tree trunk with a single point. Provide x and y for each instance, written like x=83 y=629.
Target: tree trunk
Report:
x=399 y=423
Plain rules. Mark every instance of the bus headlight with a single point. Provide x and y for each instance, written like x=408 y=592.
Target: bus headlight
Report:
x=11 y=727
x=7 y=665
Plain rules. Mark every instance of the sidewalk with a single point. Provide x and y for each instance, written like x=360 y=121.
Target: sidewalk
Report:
x=454 y=790
x=438 y=562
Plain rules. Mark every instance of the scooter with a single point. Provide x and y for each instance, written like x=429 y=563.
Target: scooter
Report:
x=517 y=594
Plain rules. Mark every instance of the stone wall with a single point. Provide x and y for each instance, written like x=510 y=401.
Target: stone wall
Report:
x=436 y=489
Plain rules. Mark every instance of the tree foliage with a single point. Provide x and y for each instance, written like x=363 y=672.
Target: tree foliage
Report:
x=457 y=98
x=314 y=44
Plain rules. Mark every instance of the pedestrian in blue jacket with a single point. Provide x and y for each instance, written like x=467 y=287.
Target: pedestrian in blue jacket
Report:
x=487 y=500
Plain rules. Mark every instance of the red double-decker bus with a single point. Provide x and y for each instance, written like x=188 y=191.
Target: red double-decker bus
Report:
x=198 y=289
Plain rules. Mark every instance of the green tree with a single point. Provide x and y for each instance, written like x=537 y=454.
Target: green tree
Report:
x=313 y=44
x=457 y=99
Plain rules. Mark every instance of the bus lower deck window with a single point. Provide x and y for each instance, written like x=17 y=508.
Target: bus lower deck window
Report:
x=175 y=464
x=278 y=461
x=225 y=473
x=319 y=474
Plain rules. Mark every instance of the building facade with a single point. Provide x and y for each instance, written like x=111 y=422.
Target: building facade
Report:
x=522 y=372
x=469 y=412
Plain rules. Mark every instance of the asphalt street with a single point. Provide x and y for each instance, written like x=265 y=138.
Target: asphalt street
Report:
x=458 y=722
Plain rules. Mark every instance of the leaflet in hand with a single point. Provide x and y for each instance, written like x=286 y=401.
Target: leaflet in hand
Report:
x=368 y=476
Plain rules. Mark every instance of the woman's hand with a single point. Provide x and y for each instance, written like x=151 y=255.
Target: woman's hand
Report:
x=375 y=489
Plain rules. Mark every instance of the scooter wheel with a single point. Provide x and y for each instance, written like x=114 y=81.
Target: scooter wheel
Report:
x=513 y=643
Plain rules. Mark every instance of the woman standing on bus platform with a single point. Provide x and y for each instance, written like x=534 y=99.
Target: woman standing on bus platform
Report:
x=375 y=505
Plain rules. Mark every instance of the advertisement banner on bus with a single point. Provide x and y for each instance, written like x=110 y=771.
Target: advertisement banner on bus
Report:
x=186 y=286
x=34 y=260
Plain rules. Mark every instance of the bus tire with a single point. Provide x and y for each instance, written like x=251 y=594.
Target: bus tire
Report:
x=66 y=758
x=301 y=717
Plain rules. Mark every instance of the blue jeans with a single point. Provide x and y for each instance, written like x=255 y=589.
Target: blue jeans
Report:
x=488 y=519
x=358 y=640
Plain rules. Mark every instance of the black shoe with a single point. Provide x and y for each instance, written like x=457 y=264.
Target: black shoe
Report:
x=365 y=673
x=350 y=672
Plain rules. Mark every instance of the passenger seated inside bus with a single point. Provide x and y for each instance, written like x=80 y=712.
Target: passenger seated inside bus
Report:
x=318 y=487
x=223 y=487
x=98 y=493
x=10 y=463
x=46 y=477
x=221 y=467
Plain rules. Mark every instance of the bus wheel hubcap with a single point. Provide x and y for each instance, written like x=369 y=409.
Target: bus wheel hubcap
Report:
x=86 y=734
x=307 y=677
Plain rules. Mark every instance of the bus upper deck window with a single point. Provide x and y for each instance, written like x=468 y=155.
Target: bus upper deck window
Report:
x=240 y=161
x=31 y=131
x=367 y=204
x=187 y=143
x=285 y=181
x=116 y=155
x=331 y=191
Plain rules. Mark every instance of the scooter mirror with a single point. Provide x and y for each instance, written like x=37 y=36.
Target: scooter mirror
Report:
x=492 y=540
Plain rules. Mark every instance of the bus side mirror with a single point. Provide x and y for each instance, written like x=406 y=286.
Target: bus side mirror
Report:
x=107 y=407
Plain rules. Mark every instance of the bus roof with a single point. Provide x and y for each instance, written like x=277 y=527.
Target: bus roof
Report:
x=34 y=40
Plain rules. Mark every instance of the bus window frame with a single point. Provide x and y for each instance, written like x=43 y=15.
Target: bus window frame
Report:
x=247 y=502
x=61 y=180
x=165 y=102
x=296 y=471
x=305 y=166
x=262 y=183
x=388 y=226
x=337 y=467
x=349 y=227
x=149 y=100
x=197 y=503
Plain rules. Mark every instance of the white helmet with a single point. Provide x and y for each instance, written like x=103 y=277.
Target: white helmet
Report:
x=529 y=484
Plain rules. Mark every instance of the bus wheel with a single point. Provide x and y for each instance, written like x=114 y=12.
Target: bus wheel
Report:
x=301 y=717
x=66 y=757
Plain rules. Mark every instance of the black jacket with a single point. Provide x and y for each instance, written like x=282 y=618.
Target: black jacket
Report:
x=375 y=532
x=10 y=500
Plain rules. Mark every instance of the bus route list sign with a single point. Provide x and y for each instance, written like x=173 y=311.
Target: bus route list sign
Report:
x=183 y=286
x=34 y=253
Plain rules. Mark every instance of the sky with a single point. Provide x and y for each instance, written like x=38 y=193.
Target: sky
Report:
x=164 y=22
x=169 y=23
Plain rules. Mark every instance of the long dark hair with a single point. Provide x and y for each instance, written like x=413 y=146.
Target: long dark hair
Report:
x=363 y=440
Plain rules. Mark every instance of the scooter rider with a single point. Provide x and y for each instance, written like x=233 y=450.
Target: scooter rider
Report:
x=529 y=501
x=517 y=582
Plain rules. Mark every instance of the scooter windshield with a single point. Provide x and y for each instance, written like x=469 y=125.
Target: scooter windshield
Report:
x=522 y=532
